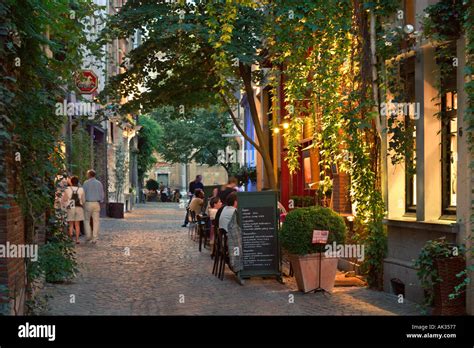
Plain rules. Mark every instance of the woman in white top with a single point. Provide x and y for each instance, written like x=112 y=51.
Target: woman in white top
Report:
x=74 y=198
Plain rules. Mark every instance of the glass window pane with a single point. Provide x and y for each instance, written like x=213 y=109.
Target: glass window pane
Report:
x=454 y=162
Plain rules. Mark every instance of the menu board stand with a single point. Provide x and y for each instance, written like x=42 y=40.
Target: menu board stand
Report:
x=319 y=238
x=258 y=219
x=319 y=288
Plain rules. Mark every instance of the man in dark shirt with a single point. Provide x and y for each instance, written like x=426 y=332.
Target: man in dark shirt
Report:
x=193 y=185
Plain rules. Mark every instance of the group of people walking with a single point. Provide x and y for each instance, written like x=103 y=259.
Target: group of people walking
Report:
x=82 y=204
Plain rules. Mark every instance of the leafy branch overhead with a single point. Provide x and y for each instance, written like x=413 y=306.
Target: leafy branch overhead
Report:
x=177 y=63
x=194 y=136
x=192 y=55
x=148 y=140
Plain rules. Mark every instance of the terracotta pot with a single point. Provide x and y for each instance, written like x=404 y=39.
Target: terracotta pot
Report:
x=306 y=270
x=447 y=269
x=115 y=210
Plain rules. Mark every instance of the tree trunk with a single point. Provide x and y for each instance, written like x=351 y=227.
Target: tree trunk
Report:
x=375 y=88
x=246 y=74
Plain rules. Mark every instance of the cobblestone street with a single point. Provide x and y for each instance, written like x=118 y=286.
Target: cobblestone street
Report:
x=164 y=266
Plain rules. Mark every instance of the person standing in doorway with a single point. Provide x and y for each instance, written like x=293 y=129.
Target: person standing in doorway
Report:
x=193 y=185
x=94 y=192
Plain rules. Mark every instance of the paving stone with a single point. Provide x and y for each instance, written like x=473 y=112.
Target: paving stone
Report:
x=164 y=264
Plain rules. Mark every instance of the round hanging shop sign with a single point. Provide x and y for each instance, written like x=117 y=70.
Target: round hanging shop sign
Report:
x=87 y=81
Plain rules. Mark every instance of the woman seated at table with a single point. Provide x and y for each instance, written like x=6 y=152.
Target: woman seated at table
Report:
x=228 y=222
x=214 y=206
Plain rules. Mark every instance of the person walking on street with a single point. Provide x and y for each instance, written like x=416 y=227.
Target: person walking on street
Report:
x=74 y=199
x=94 y=192
x=193 y=185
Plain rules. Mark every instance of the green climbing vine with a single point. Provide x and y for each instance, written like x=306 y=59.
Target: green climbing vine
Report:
x=321 y=50
x=469 y=115
x=443 y=24
x=41 y=43
x=468 y=26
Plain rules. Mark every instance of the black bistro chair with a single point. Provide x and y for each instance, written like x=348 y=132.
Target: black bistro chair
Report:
x=193 y=226
x=204 y=230
x=221 y=254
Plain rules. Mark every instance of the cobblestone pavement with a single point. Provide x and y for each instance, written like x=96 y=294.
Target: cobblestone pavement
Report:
x=164 y=268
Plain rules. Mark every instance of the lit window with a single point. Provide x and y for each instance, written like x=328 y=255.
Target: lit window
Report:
x=410 y=171
x=407 y=77
x=449 y=151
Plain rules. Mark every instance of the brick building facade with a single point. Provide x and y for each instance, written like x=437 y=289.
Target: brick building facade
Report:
x=12 y=230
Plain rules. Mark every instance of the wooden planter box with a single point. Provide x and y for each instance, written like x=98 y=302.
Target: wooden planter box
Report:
x=306 y=269
x=447 y=269
x=152 y=197
x=115 y=210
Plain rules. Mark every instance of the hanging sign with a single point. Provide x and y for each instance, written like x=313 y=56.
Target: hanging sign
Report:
x=87 y=81
x=320 y=237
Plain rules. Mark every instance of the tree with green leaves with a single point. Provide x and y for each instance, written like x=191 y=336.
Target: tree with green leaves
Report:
x=42 y=42
x=331 y=81
x=120 y=171
x=193 y=55
x=196 y=136
x=148 y=141
x=81 y=156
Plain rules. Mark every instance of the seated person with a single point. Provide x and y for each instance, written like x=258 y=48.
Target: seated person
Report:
x=228 y=222
x=197 y=202
x=164 y=195
x=176 y=196
x=231 y=187
x=214 y=205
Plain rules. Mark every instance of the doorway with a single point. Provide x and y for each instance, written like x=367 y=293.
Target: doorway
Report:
x=163 y=178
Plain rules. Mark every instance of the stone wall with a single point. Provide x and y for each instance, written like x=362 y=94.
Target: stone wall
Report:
x=179 y=174
x=405 y=240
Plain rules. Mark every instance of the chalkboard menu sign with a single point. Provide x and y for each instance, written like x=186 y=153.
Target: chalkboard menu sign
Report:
x=258 y=219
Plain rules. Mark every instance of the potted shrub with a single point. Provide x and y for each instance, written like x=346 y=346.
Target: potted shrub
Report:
x=116 y=208
x=296 y=238
x=438 y=267
x=152 y=187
